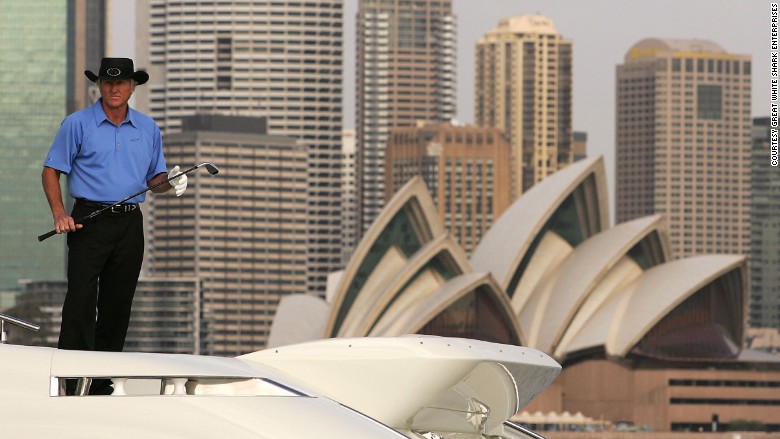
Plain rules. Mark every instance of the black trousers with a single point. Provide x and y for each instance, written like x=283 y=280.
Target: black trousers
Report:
x=104 y=261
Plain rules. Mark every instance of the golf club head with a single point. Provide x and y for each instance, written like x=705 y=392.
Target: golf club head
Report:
x=213 y=170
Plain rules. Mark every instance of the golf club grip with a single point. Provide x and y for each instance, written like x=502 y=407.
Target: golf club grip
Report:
x=46 y=235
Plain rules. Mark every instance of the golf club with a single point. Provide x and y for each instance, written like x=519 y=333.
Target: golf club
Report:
x=213 y=170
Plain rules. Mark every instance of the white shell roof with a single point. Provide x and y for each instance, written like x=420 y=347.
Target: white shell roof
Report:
x=288 y=329
x=413 y=193
x=624 y=319
x=569 y=299
x=502 y=248
x=582 y=272
x=426 y=308
x=372 y=302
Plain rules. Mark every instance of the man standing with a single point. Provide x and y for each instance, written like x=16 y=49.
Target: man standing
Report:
x=107 y=151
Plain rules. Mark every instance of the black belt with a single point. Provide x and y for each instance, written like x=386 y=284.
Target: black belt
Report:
x=119 y=208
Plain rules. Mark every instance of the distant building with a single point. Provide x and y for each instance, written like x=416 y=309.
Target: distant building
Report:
x=405 y=73
x=165 y=318
x=683 y=143
x=278 y=60
x=523 y=86
x=90 y=27
x=44 y=51
x=348 y=196
x=243 y=233
x=764 y=231
x=763 y=339
x=465 y=168
x=579 y=146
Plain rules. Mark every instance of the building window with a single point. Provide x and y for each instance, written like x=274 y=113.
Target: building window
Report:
x=709 y=101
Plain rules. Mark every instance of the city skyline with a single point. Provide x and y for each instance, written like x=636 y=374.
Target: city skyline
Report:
x=602 y=32
x=228 y=58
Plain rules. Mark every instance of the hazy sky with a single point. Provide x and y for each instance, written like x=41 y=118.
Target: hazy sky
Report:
x=602 y=31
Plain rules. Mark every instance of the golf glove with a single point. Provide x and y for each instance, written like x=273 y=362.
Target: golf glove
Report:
x=179 y=183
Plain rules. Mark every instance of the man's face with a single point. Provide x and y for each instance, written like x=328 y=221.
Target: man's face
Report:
x=116 y=93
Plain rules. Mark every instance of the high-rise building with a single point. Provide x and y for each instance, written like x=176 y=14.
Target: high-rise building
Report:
x=523 y=86
x=579 y=146
x=242 y=232
x=276 y=59
x=405 y=73
x=90 y=26
x=764 y=230
x=348 y=198
x=42 y=48
x=464 y=168
x=683 y=143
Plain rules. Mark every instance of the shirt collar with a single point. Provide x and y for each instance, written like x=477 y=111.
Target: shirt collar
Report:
x=100 y=114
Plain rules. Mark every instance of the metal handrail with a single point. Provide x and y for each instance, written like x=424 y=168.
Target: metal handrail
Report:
x=18 y=322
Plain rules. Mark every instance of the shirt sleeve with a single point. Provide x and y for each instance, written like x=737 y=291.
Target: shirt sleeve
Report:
x=65 y=146
x=157 y=165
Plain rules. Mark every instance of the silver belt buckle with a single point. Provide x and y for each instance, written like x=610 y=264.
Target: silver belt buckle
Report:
x=123 y=208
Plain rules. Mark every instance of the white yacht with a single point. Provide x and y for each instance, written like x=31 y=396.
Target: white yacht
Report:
x=412 y=386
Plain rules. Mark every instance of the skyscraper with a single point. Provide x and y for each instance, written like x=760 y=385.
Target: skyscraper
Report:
x=464 y=168
x=523 y=86
x=683 y=143
x=277 y=59
x=405 y=73
x=241 y=232
x=42 y=47
x=765 y=231
x=348 y=199
x=90 y=26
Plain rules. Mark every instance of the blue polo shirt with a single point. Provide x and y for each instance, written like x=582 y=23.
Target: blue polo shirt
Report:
x=106 y=163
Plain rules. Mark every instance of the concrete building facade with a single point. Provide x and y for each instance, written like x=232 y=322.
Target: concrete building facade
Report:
x=278 y=60
x=523 y=86
x=764 y=231
x=666 y=398
x=579 y=146
x=465 y=169
x=683 y=139
x=405 y=73
x=242 y=233
x=348 y=196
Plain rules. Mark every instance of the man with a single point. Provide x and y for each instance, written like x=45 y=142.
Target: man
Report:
x=108 y=151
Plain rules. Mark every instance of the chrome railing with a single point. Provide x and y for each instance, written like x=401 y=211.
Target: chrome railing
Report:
x=18 y=322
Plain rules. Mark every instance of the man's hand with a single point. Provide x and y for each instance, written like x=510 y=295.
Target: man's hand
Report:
x=64 y=223
x=179 y=183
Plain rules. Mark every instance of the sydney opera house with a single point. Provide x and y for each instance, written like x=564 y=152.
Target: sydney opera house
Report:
x=643 y=338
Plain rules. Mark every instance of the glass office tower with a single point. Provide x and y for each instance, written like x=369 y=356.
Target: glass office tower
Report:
x=33 y=88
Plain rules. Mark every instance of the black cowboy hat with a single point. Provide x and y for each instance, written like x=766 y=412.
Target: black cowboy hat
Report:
x=118 y=68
